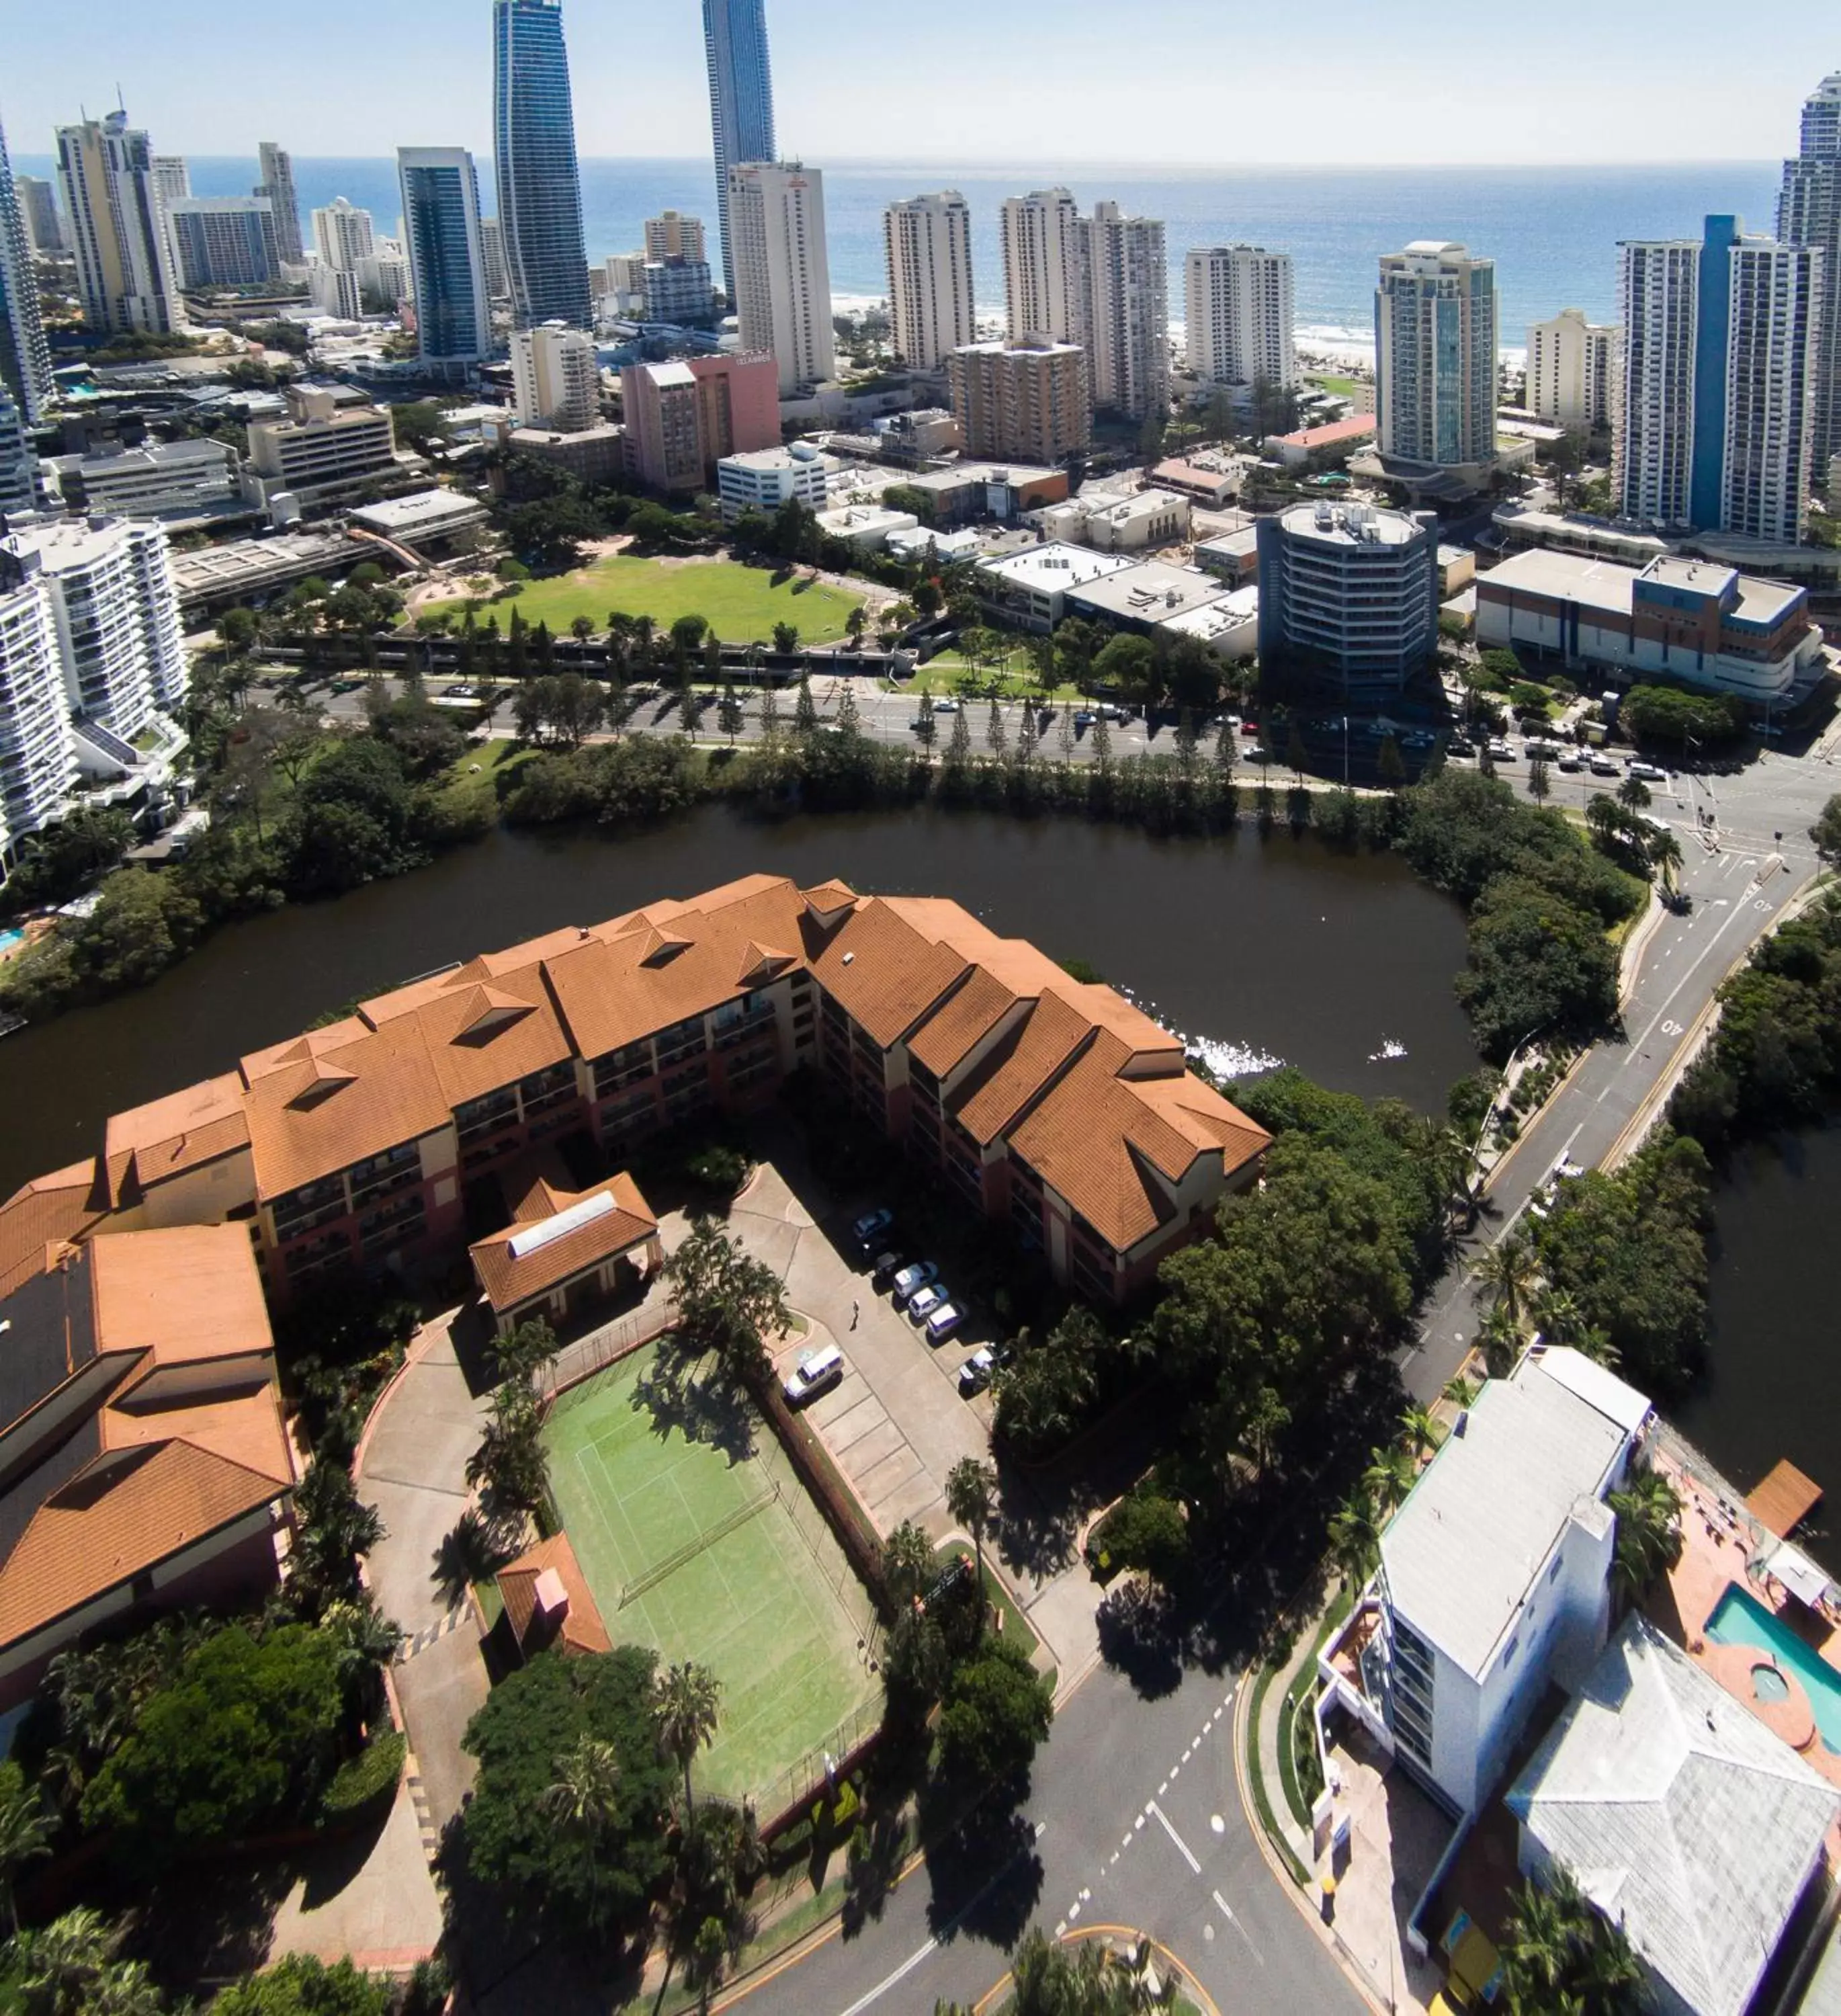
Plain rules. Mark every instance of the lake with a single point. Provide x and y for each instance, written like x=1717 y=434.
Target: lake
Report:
x=1276 y=948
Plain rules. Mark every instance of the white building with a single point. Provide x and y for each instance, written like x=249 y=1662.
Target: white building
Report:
x=770 y=477
x=276 y=167
x=124 y=264
x=223 y=241
x=1349 y=592
x=1031 y=587
x=866 y=526
x=343 y=234
x=1120 y=524
x=673 y=236
x=1045 y=266
x=1436 y=345
x=1809 y=214
x=556 y=379
x=1128 y=317
x=1721 y=350
x=782 y=270
x=39 y=767
x=110 y=592
x=1238 y=308
x=383 y=278
x=161 y=479
x=323 y=445
x=1575 y=371
x=1495 y=1576
x=1690 y=621
x=19 y=466
x=928 y=243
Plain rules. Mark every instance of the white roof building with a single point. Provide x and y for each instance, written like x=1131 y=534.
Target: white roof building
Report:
x=1680 y=1816
x=1033 y=585
x=765 y=479
x=428 y=514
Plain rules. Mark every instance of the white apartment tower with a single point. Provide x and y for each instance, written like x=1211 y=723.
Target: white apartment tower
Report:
x=1722 y=347
x=1435 y=348
x=1576 y=371
x=124 y=264
x=776 y=214
x=928 y=240
x=1045 y=266
x=1809 y=214
x=18 y=466
x=277 y=185
x=37 y=753
x=672 y=235
x=343 y=238
x=1128 y=316
x=109 y=589
x=557 y=377
x=1239 y=306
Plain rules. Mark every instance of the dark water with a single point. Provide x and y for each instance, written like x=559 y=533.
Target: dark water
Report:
x=1277 y=947
x=1773 y=1384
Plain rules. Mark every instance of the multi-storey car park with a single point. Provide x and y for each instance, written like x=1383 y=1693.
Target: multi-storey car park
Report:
x=1054 y=1106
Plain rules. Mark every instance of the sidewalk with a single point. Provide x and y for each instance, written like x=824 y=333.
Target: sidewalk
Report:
x=1303 y=1653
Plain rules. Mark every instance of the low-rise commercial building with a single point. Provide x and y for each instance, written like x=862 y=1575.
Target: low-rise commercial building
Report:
x=1350 y=593
x=1140 y=598
x=770 y=477
x=594 y=456
x=866 y=526
x=1230 y=627
x=1689 y=620
x=1335 y=441
x=1233 y=557
x=1211 y=480
x=682 y=418
x=327 y=447
x=1030 y=399
x=1031 y=588
x=181 y=479
x=1054 y=1107
x=251 y=570
x=1113 y=524
x=973 y=490
x=426 y=518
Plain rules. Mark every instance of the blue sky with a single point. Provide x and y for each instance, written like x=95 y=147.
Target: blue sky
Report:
x=966 y=80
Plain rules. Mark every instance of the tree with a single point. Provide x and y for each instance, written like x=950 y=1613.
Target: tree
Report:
x=1128 y=665
x=585 y=1795
x=805 y=709
x=1826 y=832
x=70 y=1967
x=1634 y=795
x=1295 y=755
x=926 y=726
x=849 y=720
x=332 y=1528
x=1665 y=858
x=25 y=1833
x=1508 y=1271
x=1648 y=1509
x=300 y=1986
x=686 y=1701
x=959 y=744
x=907 y=1568
x=527 y=1350
x=1540 y=783
x=785 y=638
x=971 y=1500
x=1355 y=1538
x=532 y=1718
x=995 y=1714
x=420 y=425
x=1559 y=1955
x=728 y=1303
x=729 y=713
x=511 y=1468
x=1146 y=1530
x=993 y=732
x=1421 y=1429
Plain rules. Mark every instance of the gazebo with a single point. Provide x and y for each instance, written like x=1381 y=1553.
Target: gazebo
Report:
x=565 y=1250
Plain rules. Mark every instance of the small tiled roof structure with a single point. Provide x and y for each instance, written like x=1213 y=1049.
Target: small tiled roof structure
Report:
x=41 y=1216
x=574 y=1626
x=592 y=1227
x=1680 y=1816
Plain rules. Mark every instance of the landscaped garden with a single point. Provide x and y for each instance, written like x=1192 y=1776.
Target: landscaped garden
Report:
x=742 y=604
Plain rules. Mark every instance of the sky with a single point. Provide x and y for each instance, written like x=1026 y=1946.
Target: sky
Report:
x=1344 y=82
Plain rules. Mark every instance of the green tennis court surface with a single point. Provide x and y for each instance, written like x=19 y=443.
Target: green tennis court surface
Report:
x=697 y=1539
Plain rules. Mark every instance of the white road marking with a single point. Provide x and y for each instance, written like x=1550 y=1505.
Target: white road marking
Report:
x=894 y=1980
x=1227 y=1912
x=1217 y=1823
x=1182 y=1847
x=1162 y=1788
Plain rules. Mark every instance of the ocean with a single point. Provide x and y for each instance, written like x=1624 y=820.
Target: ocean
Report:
x=1553 y=232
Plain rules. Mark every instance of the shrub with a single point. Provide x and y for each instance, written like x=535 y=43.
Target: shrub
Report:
x=367 y=1778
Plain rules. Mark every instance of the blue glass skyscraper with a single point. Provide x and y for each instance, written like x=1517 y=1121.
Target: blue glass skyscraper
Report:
x=741 y=102
x=25 y=360
x=534 y=152
x=446 y=261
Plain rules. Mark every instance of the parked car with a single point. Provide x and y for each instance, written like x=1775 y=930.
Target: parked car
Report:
x=817 y=1372
x=923 y=1303
x=946 y=1319
x=1500 y=752
x=871 y=1231
x=1107 y=711
x=1260 y=756
x=1603 y=765
x=1085 y=718
x=886 y=1267
x=1570 y=762
x=910 y=1281
x=947 y=706
x=1651 y=773
x=976 y=1373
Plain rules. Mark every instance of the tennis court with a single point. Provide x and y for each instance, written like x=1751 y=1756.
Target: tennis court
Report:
x=704 y=1551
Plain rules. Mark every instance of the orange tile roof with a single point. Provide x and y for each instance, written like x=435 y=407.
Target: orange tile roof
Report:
x=1355 y=427
x=883 y=972
x=510 y=1281
x=182 y=1295
x=167 y=1136
x=583 y=1631
x=42 y=1215
x=962 y=1021
x=827 y=899
x=121 y=1515
x=1017 y=1069
x=246 y=1430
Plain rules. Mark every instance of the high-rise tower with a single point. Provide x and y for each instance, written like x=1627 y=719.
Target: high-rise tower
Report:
x=124 y=265
x=928 y=240
x=782 y=273
x=1435 y=355
x=1809 y=214
x=278 y=184
x=741 y=103
x=534 y=155
x=25 y=362
x=1045 y=266
x=447 y=259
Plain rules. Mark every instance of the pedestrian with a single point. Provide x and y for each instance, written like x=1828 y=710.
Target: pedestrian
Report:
x=856 y=1311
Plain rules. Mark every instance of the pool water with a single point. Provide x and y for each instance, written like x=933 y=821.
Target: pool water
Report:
x=9 y=940
x=1739 y=1618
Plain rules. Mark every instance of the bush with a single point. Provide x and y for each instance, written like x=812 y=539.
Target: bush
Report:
x=1144 y=1531
x=1667 y=714
x=371 y=1778
x=303 y=1986
x=720 y=1170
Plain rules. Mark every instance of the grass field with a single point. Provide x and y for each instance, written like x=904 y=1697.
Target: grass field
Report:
x=694 y=1542
x=741 y=603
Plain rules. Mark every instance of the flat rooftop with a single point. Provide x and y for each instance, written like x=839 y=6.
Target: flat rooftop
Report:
x=1604 y=585
x=767 y=460
x=1055 y=568
x=1215 y=620
x=213 y=565
x=963 y=473
x=1350 y=525
x=419 y=510
x=1233 y=545
x=1152 y=592
x=1462 y=1554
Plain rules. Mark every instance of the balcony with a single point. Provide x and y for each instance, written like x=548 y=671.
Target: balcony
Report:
x=408 y=1176
x=298 y=1225
x=757 y=1022
x=392 y=1227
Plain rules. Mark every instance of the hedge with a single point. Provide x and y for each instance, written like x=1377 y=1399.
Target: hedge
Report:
x=366 y=1778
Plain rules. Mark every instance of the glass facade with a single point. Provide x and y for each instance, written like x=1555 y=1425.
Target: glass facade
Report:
x=741 y=102
x=441 y=228
x=534 y=152
x=25 y=362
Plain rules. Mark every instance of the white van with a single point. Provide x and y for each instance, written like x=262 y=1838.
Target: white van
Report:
x=816 y=1372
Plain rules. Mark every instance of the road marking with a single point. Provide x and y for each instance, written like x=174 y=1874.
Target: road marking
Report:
x=901 y=1973
x=1216 y=1823
x=1138 y=1824
x=1182 y=1847
x=1227 y=1912
x=1162 y=1788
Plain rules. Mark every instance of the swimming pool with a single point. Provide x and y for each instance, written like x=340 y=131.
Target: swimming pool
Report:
x=1739 y=1618
x=10 y=941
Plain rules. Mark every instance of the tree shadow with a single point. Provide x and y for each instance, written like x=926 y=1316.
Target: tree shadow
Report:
x=872 y=1869
x=987 y=1877
x=699 y=1409
x=213 y=1922
x=1139 y=1637
x=474 y=1550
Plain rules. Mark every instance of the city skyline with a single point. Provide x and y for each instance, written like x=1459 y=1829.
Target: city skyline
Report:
x=426 y=84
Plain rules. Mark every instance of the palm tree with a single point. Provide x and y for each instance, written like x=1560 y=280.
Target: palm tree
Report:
x=1462 y=1392
x=584 y=1797
x=971 y=1499
x=1421 y=1429
x=1355 y=1538
x=1648 y=1509
x=1665 y=856
x=1389 y=1477
x=1634 y=795
x=686 y=1704
x=62 y=1966
x=1501 y=1342
x=1561 y=1320
x=1508 y=1270
x=25 y=1830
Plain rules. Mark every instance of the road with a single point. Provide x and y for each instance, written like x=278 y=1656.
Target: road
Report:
x=1134 y=1821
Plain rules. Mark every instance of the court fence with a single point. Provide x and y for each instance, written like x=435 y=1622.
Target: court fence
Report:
x=605 y=1346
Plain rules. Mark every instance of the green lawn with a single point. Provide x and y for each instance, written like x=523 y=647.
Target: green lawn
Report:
x=1344 y=388
x=741 y=603
x=680 y=1507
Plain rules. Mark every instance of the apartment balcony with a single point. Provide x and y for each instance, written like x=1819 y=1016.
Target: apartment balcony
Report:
x=409 y=1176
x=298 y=1226
x=757 y=1022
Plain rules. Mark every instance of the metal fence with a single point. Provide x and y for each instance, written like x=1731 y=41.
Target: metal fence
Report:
x=800 y=1783
x=604 y=1347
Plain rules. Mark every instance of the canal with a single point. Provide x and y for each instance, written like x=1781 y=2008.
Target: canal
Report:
x=1773 y=1386
x=1275 y=949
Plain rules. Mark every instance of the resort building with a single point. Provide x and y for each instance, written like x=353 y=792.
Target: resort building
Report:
x=1045 y=296
x=1237 y=315
x=124 y=263
x=1350 y=593
x=38 y=768
x=1689 y=620
x=1054 y=1108
x=1435 y=356
x=446 y=258
x=774 y=233
x=1575 y=371
x=1128 y=313
x=927 y=244
x=223 y=241
x=741 y=104
x=25 y=356
x=1029 y=398
x=769 y=478
x=534 y=159
x=683 y=417
x=1495 y=1577
x=277 y=187
x=1809 y=214
x=144 y=1463
x=555 y=379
